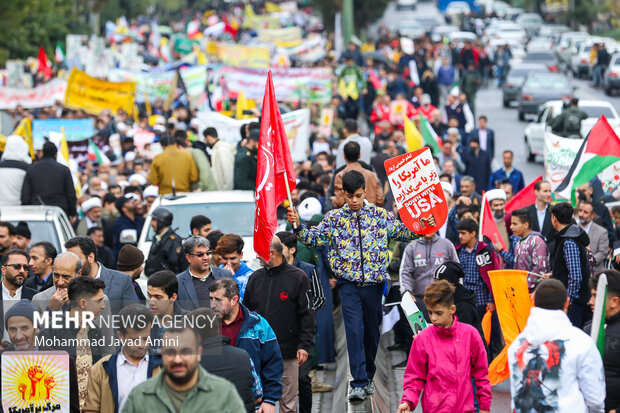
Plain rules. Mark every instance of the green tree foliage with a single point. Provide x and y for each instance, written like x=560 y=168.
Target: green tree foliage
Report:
x=25 y=25
x=365 y=12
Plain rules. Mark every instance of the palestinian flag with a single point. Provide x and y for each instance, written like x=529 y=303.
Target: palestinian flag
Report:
x=429 y=136
x=59 y=53
x=600 y=149
x=95 y=154
x=598 y=318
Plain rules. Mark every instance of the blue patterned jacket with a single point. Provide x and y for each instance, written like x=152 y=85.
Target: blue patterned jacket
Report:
x=357 y=241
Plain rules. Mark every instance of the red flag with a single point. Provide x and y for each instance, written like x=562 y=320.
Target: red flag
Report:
x=488 y=226
x=523 y=198
x=43 y=65
x=274 y=161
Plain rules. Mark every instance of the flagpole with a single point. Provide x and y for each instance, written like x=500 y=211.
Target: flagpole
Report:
x=288 y=192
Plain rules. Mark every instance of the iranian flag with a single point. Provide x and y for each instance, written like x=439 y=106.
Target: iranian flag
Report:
x=429 y=136
x=59 y=53
x=600 y=149
x=95 y=154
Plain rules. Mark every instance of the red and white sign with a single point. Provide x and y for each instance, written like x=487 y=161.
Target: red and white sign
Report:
x=417 y=191
x=38 y=97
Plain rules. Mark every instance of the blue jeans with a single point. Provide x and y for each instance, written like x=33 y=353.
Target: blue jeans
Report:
x=362 y=313
x=597 y=75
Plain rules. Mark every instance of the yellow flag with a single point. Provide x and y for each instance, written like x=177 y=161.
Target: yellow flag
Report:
x=243 y=104
x=342 y=89
x=271 y=7
x=64 y=146
x=24 y=129
x=136 y=114
x=201 y=57
x=147 y=104
x=2 y=142
x=412 y=135
x=352 y=90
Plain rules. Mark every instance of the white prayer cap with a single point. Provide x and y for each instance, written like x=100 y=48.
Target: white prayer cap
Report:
x=130 y=156
x=309 y=208
x=494 y=194
x=123 y=184
x=91 y=203
x=137 y=177
x=159 y=128
x=151 y=190
x=160 y=120
x=426 y=99
x=447 y=187
x=122 y=127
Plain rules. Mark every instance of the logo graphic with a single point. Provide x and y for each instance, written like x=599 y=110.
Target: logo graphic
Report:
x=283 y=296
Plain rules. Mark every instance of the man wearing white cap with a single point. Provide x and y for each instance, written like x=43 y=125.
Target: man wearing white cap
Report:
x=150 y=193
x=92 y=218
x=497 y=201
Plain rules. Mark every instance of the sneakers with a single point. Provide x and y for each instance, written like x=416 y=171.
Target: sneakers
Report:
x=317 y=385
x=357 y=394
x=400 y=366
x=369 y=389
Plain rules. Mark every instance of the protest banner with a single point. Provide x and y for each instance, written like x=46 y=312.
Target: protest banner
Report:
x=155 y=85
x=16 y=75
x=75 y=129
x=142 y=137
x=417 y=191
x=327 y=122
x=256 y=57
x=195 y=81
x=310 y=50
x=94 y=95
x=296 y=125
x=38 y=97
x=290 y=34
x=414 y=315
x=513 y=304
x=35 y=381
x=559 y=154
x=293 y=84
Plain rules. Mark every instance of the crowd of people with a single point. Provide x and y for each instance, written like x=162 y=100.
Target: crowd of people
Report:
x=269 y=329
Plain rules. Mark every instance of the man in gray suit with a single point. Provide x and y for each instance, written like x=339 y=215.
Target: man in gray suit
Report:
x=194 y=282
x=599 y=241
x=118 y=285
x=68 y=266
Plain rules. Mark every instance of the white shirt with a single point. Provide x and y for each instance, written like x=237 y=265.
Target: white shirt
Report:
x=8 y=302
x=99 y=273
x=587 y=227
x=90 y=223
x=482 y=135
x=129 y=376
x=541 y=216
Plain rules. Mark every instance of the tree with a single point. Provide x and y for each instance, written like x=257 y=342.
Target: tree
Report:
x=26 y=25
x=365 y=12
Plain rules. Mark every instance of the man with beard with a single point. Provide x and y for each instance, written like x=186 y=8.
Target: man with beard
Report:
x=183 y=382
x=21 y=239
x=166 y=249
x=93 y=218
x=249 y=331
x=118 y=286
x=42 y=255
x=497 y=201
x=7 y=232
x=113 y=377
x=131 y=262
x=599 y=241
x=14 y=272
x=127 y=205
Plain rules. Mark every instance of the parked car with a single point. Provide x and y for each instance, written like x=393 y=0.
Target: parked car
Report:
x=548 y=58
x=553 y=30
x=611 y=78
x=535 y=131
x=580 y=62
x=410 y=29
x=569 y=42
x=406 y=4
x=511 y=31
x=441 y=31
x=461 y=37
x=516 y=49
x=531 y=22
x=229 y=212
x=539 y=43
x=516 y=76
x=46 y=223
x=539 y=88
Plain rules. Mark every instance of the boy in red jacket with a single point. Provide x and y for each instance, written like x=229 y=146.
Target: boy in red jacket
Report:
x=444 y=359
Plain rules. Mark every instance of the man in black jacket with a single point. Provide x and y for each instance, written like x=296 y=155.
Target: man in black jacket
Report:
x=611 y=354
x=49 y=183
x=569 y=261
x=540 y=211
x=223 y=360
x=281 y=293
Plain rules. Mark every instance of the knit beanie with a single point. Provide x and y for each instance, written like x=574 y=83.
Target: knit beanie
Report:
x=450 y=271
x=23 y=308
x=23 y=230
x=129 y=258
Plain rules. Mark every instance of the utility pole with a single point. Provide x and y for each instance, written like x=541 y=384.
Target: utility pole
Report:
x=347 y=17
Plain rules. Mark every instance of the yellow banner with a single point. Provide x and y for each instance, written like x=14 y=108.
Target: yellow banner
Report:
x=255 y=57
x=289 y=34
x=95 y=95
x=513 y=304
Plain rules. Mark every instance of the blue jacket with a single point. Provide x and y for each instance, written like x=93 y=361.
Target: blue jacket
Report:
x=445 y=75
x=109 y=366
x=257 y=338
x=119 y=288
x=123 y=222
x=242 y=276
x=515 y=179
x=187 y=296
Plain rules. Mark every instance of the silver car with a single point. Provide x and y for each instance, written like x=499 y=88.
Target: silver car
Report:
x=539 y=88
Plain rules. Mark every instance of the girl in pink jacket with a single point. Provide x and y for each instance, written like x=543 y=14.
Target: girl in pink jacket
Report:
x=444 y=359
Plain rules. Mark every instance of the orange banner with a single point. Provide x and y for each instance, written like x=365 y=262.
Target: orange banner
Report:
x=513 y=304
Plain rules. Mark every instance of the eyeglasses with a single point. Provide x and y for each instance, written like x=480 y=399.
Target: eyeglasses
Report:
x=26 y=267
x=201 y=254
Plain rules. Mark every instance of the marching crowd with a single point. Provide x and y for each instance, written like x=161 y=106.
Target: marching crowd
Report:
x=270 y=329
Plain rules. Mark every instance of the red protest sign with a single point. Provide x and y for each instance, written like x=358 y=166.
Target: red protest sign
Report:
x=417 y=190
